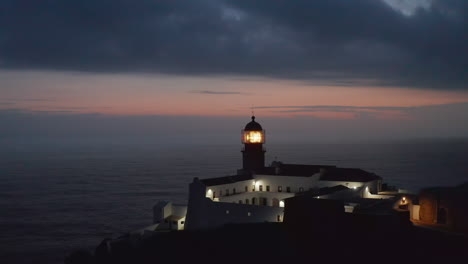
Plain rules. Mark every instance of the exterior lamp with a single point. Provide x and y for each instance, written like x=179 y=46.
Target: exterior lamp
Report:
x=403 y=200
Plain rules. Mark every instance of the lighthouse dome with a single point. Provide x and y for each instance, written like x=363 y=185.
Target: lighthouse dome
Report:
x=253 y=126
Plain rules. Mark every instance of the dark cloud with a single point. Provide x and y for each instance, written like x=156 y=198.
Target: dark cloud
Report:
x=351 y=42
x=214 y=92
x=455 y=107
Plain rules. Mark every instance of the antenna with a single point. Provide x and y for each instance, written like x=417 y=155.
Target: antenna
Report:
x=252 y=109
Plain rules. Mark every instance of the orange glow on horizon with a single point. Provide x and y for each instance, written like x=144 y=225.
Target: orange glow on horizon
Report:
x=202 y=96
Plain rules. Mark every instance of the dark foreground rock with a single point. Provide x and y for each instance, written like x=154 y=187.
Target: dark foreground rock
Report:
x=360 y=239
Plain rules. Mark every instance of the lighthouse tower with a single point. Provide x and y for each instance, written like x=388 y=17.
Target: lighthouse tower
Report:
x=253 y=152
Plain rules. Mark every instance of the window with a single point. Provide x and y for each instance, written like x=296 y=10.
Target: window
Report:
x=227 y=192
x=253 y=200
x=261 y=188
x=301 y=189
x=249 y=214
x=227 y=211
x=246 y=201
x=275 y=202
x=214 y=194
x=220 y=193
x=280 y=188
x=182 y=222
x=246 y=189
x=288 y=189
x=240 y=201
x=278 y=218
x=263 y=201
x=233 y=190
x=268 y=188
x=253 y=188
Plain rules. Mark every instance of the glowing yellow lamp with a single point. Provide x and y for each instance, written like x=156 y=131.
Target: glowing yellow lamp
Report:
x=253 y=137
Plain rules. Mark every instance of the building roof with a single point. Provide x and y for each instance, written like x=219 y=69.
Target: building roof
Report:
x=348 y=174
x=297 y=170
x=328 y=173
x=253 y=126
x=226 y=179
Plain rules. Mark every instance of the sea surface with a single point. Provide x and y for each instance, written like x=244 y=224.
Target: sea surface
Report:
x=57 y=196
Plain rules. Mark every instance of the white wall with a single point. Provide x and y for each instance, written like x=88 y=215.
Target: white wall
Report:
x=218 y=214
x=414 y=212
x=268 y=195
x=368 y=195
x=161 y=210
x=218 y=189
x=295 y=183
x=203 y=213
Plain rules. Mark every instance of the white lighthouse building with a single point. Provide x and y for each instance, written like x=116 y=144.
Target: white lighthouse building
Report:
x=257 y=193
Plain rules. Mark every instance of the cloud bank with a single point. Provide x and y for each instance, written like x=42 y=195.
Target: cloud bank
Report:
x=420 y=44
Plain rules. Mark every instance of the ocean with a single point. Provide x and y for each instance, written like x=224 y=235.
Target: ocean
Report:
x=57 y=196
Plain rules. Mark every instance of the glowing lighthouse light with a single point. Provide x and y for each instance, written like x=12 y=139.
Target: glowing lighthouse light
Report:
x=253 y=137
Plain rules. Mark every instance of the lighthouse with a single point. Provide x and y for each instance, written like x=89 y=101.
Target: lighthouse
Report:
x=253 y=151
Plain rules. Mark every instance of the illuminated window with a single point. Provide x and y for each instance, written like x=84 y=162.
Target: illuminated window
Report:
x=249 y=214
x=268 y=188
x=261 y=188
x=280 y=188
x=227 y=211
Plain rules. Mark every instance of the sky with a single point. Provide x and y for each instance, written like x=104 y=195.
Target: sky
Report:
x=197 y=69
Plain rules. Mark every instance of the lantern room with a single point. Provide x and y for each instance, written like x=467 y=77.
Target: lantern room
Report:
x=253 y=133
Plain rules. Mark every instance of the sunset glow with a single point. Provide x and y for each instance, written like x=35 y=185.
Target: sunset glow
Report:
x=166 y=95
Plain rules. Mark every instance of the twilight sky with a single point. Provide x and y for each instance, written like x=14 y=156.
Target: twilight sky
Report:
x=326 y=69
